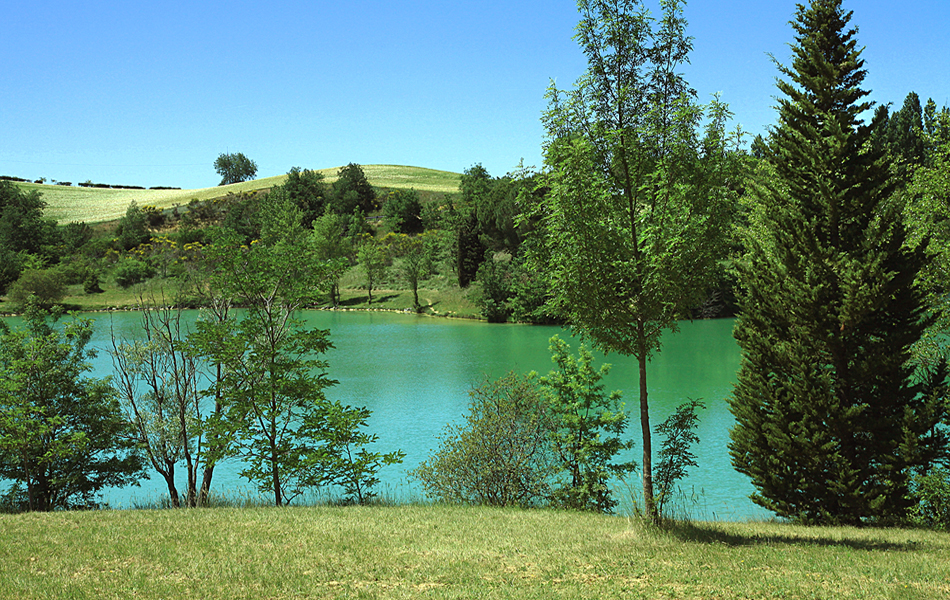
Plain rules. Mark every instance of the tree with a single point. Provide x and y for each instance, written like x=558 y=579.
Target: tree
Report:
x=415 y=254
x=829 y=421
x=306 y=191
x=157 y=379
x=234 y=168
x=330 y=244
x=371 y=256
x=403 y=211
x=273 y=378
x=638 y=205
x=133 y=228
x=587 y=427
x=502 y=454
x=275 y=415
x=22 y=230
x=62 y=434
x=351 y=192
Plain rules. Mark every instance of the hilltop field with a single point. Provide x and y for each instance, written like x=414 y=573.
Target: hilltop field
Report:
x=97 y=205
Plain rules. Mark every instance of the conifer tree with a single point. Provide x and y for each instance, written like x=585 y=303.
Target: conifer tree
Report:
x=829 y=423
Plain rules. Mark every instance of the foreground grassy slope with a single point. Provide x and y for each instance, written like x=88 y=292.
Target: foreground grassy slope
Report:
x=95 y=205
x=447 y=552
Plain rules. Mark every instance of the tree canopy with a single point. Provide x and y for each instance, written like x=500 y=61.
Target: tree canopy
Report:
x=234 y=168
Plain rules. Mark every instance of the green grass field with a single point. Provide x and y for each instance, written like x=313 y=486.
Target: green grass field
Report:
x=453 y=552
x=95 y=205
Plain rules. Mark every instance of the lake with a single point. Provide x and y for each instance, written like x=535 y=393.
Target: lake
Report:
x=415 y=374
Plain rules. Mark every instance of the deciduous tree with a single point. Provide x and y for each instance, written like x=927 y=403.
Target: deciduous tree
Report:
x=234 y=168
x=638 y=204
x=62 y=433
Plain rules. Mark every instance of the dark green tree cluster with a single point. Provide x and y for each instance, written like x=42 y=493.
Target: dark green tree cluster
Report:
x=830 y=420
x=492 y=235
x=24 y=232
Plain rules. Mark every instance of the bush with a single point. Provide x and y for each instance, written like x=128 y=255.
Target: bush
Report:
x=501 y=455
x=46 y=285
x=131 y=271
x=679 y=434
x=91 y=284
x=931 y=494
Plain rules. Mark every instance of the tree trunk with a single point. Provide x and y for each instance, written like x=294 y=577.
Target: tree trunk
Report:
x=648 y=500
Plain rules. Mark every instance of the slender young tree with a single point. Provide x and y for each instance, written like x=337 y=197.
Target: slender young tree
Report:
x=637 y=207
x=828 y=421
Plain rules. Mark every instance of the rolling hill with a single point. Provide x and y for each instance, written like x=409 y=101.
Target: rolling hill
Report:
x=95 y=205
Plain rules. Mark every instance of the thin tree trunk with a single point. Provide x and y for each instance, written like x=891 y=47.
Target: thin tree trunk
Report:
x=648 y=499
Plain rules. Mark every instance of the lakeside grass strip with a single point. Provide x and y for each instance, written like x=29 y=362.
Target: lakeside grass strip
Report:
x=452 y=552
x=96 y=205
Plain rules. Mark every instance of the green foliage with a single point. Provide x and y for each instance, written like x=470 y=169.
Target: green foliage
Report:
x=501 y=455
x=417 y=255
x=829 y=419
x=930 y=494
x=927 y=215
x=45 y=286
x=306 y=191
x=130 y=271
x=588 y=429
x=90 y=284
x=157 y=379
x=271 y=374
x=23 y=231
x=22 y=226
x=234 y=168
x=639 y=201
x=133 y=228
x=329 y=243
x=351 y=192
x=403 y=211
x=62 y=435
x=678 y=433
x=344 y=459
x=371 y=257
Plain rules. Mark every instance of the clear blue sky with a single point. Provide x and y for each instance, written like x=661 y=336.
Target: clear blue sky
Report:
x=149 y=93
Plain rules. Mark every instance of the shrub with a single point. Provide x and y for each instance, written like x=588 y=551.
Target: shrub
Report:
x=131 y=271
x=46 y=285
x=91 y=284
x=501 y=455
x=931 y=494
x=679 y=434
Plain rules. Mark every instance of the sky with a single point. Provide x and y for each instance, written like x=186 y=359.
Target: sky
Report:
x=150 y=93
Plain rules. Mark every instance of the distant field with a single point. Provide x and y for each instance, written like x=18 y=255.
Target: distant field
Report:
x=95 y=205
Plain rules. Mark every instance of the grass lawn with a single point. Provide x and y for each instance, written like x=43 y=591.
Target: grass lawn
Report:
x=96 y=205
x=452 y=552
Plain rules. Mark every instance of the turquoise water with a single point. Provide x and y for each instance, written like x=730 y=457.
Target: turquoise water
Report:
x=415 y=373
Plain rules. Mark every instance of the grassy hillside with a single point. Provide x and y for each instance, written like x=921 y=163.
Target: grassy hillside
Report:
x=452 y=552
x=95 y=205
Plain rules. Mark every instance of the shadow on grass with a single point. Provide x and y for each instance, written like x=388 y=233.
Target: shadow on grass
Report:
x=361 y=300
x=710 y=534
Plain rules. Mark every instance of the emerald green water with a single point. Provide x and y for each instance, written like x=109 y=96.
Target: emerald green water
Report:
x=415 y=373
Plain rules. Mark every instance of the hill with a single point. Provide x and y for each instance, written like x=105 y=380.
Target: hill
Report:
x=96 y=205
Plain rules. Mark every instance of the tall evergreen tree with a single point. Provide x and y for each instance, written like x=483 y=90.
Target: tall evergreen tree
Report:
x=828 y=421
